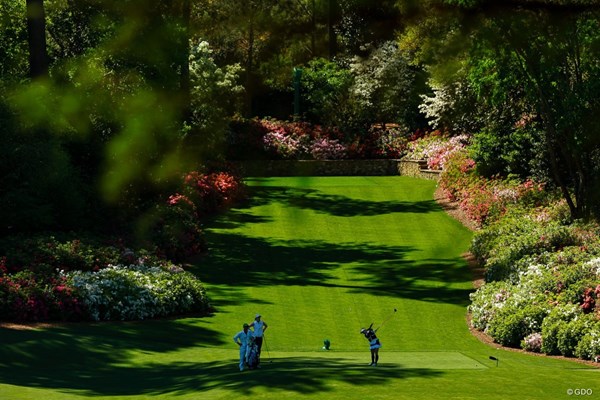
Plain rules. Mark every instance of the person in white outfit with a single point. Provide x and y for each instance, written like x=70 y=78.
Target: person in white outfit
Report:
x=258 y=329
x=242 y=339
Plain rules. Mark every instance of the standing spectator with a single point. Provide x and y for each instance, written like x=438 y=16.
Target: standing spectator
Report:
x=259 y=327
x=242 y=339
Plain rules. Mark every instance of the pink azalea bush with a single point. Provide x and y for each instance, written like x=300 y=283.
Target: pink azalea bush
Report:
x=285 y=145
x=483 y=199
x=533 y=342
x=327 y=149
x=26 y=297
x=301 y=140
x=275 y=139
x=436 y=148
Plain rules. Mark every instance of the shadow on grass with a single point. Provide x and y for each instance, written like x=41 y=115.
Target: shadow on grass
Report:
x=306 y=375
x=236 y=260
x=336 y=205
x=94 y=362
x=94 y=357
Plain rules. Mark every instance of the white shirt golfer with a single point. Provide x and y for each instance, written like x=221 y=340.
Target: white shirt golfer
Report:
x=259 y=327
x=242 y=339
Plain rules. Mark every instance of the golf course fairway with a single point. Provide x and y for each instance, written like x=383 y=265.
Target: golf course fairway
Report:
x=319 y=258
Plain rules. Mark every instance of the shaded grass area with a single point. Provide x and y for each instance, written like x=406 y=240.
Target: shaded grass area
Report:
x=384 y=270
x=96 y=359
x=319 y=258
x=149 y=359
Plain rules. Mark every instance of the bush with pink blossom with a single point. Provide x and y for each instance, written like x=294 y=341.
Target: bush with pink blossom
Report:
x=436 y=148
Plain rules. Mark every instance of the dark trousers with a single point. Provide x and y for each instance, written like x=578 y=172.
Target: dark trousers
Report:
x=258 y=341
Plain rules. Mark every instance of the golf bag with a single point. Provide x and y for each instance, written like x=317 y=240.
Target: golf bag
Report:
x=252 y=356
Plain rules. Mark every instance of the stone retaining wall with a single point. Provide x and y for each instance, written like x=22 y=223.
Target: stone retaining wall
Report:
x=417 y=169
x=336 y=168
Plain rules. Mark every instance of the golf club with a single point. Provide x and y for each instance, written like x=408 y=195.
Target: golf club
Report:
x=388 y=318
x=267 y=348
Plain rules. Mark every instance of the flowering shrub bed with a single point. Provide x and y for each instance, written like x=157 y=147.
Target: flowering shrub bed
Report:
x=146 y=288
x=274 y=139
x=543 y=283
x=484 y=200
x=100 y=281
x=300 y=140
x=436 y=148
x=542 y=269
x=136 y=292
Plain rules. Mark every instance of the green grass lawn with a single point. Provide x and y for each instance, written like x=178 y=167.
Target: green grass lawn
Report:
x=319 y=258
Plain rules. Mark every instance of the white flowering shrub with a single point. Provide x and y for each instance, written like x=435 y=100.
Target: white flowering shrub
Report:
x=137 y=292
x=570 y=334
x=486 y=302
x=450 y=107
x=594 y=266
x=384 y=84
x=215 y=93
x=589 y=345
x=434 y=107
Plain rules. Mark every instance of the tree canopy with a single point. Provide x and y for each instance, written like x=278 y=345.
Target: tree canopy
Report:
x=126 y=95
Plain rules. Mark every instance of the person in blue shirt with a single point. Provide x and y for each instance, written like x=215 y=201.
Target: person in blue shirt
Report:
x=242 y=339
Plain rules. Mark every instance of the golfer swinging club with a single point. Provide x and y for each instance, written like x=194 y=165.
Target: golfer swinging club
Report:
x=242 y=339
x=374 y=343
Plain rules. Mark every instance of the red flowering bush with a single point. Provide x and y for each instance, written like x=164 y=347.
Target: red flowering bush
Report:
x=25 y=296
x=590 y=296
x=175 y=227
x=213 y=191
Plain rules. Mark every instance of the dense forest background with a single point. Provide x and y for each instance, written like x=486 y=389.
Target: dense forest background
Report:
x=106 y=104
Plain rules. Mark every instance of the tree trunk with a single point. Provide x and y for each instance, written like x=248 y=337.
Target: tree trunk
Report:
x=250 y=62
x=331 y=20
x=185 y=85
x=36 y=30
x=313 y=35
